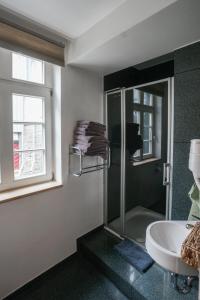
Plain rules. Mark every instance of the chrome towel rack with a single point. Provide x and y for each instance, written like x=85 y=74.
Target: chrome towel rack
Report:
x=75 y=151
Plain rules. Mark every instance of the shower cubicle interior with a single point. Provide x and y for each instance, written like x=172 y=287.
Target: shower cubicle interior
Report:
x=137 y=184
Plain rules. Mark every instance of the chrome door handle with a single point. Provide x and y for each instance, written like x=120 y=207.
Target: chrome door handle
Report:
x=109 y=158
x=166 y=180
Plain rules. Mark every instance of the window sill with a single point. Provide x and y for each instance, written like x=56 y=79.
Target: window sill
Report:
x=27 y=191
x=146 y=161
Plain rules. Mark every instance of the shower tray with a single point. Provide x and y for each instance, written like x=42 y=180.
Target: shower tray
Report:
x=136 y=223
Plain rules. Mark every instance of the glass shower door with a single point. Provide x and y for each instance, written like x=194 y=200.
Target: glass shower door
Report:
x=113 y=116
x=145 y=154
x=137 y=191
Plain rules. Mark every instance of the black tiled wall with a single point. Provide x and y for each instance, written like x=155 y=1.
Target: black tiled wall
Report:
x=184 y=65
x=187 y=58
x=186 y=124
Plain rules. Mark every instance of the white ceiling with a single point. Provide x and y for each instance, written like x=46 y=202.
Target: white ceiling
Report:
x=128 y=15
x=109 y=35
x=69 y=17
x=170 y=28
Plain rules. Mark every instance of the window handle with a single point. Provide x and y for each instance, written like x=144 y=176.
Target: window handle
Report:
x=166 y=180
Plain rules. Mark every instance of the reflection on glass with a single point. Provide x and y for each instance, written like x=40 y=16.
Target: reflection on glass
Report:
x=148 y=99
x=137 y=155
x=145 y=122
x=137 y=120
x=143 y=115
x=146 y=147
x=146 y=133
x=136 y=117
x=145 y=196
x=133 y=139
x=136 y=96
x=147 y=119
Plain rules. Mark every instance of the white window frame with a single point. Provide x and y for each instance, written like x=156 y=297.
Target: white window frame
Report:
x=8 y=88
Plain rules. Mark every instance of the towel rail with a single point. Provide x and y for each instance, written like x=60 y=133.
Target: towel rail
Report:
x=87 y=169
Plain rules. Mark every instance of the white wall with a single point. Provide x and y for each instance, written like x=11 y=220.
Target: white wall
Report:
x=38 y=231
x=121 y=19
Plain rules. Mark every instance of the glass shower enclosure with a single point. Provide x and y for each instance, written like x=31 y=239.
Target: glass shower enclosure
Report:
x=137 y=185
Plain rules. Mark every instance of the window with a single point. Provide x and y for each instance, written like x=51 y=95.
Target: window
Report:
x=27 y=68
x=143 y=114
x=147 y=133
x=28 y=136
x=25 y=125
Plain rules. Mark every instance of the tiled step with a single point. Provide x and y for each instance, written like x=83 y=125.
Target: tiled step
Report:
x=155 y=284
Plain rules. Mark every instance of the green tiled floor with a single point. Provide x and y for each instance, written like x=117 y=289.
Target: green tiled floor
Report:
x=78 y=279
x=75 y=279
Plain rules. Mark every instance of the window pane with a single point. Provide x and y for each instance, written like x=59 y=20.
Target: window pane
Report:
x=147 y=133
x=147 y=119
x=28 y=164
x=28 y=109
x=28 y=137
x=136 y=117
x=146 y=147
x=148 y=99
x=27 y=68
x=136 y=96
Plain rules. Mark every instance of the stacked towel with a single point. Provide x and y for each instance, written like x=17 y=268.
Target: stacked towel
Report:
x=90 y=138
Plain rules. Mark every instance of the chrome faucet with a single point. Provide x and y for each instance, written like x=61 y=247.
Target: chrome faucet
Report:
x=189 y=226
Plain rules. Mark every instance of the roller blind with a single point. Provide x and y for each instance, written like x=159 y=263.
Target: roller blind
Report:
x=19 y=40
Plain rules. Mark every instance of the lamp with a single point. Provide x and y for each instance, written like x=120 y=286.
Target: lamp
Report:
x=194 y=160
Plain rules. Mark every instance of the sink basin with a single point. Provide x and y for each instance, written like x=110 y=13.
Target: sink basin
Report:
x=163 y=242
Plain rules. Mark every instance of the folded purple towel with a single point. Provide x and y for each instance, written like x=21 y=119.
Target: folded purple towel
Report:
x=90 y=138
x=90 y=124
x=89 y=147
x=82 y=139
x=88 y=131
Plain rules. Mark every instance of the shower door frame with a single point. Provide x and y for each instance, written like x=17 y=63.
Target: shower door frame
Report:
x=122 y=161
x=170 y=139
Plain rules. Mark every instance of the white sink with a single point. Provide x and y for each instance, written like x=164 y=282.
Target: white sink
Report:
x=163 y=242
